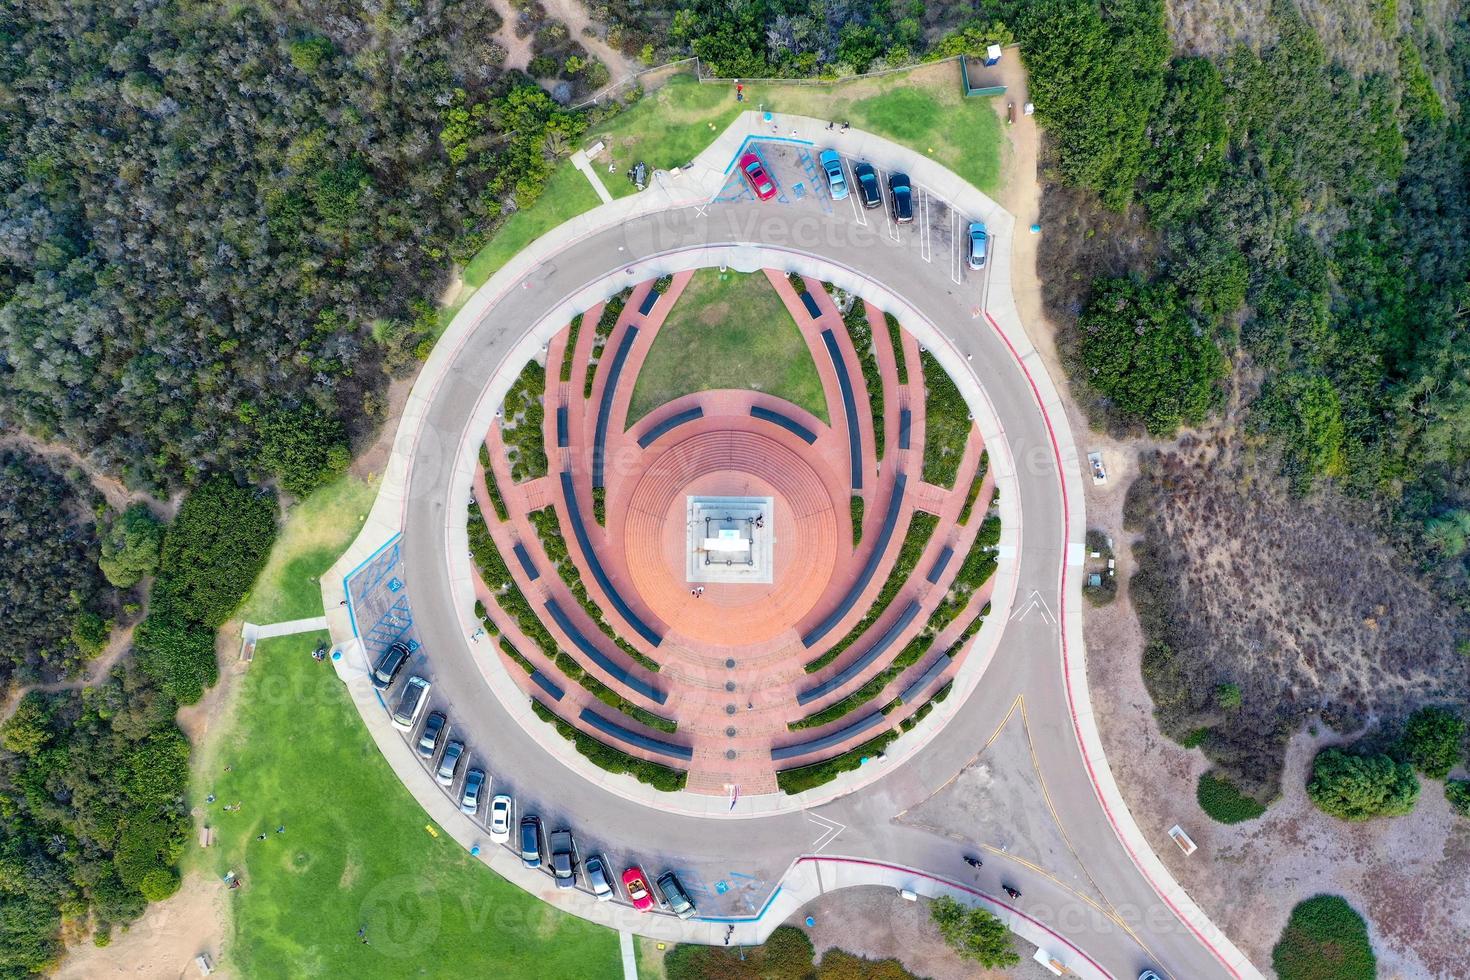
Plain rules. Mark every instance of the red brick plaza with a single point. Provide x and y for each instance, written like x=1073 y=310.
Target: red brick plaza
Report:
x=732 y=661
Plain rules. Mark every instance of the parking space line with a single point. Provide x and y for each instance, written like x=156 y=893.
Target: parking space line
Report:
x=954 y=253
x=924 y=248
x=858 y=211
x=888 y=210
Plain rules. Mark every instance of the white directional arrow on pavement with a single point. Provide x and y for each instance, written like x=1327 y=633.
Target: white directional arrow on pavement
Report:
x=830 y=830
x=1035 y=601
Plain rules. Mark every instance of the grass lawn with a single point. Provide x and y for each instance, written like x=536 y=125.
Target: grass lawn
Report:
x=1325 y=939
x=728 y=331
x=355 y=851
x=567 y=195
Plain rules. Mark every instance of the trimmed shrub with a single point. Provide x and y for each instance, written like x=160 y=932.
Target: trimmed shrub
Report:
x=808 y=777
x=861 y=332
x=895 y=336
x=1361 y=787
x=1325 y=939
x=524 y=423
x=571 y=348
x=606 y=757
x=1224 y=803
x=974 y=492
x=1432 y=741
x=947 y=424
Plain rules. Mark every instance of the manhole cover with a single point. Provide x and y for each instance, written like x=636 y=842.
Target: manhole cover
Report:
x=729 y=685
x=729 y=733
x=730 y=664
x=729 y=709
x=730 y=753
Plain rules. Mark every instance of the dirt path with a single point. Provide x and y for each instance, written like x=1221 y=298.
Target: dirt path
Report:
x=118 y=496
x=573 y=13
x=517 y=49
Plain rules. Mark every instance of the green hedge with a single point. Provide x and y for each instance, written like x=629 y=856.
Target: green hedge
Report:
x=1219 y=798
x=906 y=658
x=861 y=332
x=571 y=348
x=599 y=506
x=516 y=655
x=857 y=520
x=895 y=336
x=924 y=709
x=491 y=487
x=497 y=577
x=606 y=757
x=554 y=543
x=523 y=427
x=947 y=424
x=575 y=673
x=975 y=484
x=611 y=310
x=807 y=777
x=921 y=527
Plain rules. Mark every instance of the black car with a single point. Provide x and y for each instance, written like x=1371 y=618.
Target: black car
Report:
x=674 y=894
x=901 y=196
x=868 y=187
x=531 y=841
x=388 y=666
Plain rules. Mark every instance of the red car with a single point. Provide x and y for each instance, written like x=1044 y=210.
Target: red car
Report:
x=755 y=174
x=637 y=886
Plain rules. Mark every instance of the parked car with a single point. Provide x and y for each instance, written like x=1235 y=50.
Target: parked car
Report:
x=411 y=701
x=636 y=884
x=429 y=738
x=868 y=187
x=598 y=878
x=469 y=800
x=901 y=197
x=500 y=808
x=390 y=662
x=531 y=841
x=977 y=244
x=674 y=894
x=755 y=174
x=563 y=852
x=832 y=164
x=449 y=762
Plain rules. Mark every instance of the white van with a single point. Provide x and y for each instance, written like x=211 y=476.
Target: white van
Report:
x=410 y=703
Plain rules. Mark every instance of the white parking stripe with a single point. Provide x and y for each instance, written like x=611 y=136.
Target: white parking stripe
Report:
x=924 y=248
x=887 y=210
x=858 y=211
x=956 y=260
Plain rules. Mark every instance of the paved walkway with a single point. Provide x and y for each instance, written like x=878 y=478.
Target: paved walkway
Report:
x=253 y=633
x=582 y=163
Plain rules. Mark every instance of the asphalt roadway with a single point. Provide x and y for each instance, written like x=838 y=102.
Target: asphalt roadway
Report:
x=1116 y=918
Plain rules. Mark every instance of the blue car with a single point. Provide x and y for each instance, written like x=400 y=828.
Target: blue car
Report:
x=832 y=164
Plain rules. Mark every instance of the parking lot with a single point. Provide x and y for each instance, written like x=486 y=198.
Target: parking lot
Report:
x=382 y=614
x=938 y=232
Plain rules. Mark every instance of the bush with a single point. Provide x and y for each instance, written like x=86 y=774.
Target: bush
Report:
x=1432 y=741
x=213 y=551
x=947 y=424
x=857 y=520
x=304 y=447
x=1457 y=791
x=570 y=351
x=861 y=332
x=1219 y=798
x=786 y=955
x=895 y=337
x=808 y=777
x=1140 y=351
x=1361 y=787
x=492 y=488
x=178 y=653
x=159 y=884
x=606 y=757
x=1325 y=939
x=130 y=547
x=973 y=495
x=975 y=933
x=524 y=423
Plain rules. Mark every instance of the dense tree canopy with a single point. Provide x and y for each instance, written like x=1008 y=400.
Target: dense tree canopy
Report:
x=1433 y=741
x=207 y=206
x=51 y=592
x=975 y=933
x=130 y=547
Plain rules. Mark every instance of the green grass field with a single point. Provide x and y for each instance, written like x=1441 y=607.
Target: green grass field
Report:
x=728 y=331
x=355 y=851
x=1325 y=939
x=567 y=195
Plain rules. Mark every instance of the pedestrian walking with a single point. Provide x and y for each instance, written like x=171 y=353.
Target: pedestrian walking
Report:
x=281 y=829
x=260 y=836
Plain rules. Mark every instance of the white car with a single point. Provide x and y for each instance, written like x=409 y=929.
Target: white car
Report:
x=500 y=808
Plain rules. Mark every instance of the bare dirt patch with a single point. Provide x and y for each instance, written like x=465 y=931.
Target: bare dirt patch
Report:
x=875 y=923
x=164 y=942
x=1297 y=601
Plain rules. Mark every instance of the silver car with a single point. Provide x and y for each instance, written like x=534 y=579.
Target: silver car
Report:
x=449 y=762
x=598 y=878
x=469 y=800
x=977 y=244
